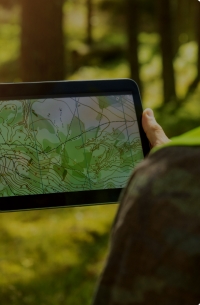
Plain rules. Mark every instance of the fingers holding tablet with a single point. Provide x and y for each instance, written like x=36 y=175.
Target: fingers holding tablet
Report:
x=153 y=130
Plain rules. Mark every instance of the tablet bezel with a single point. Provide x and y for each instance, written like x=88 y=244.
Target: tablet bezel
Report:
x=70 y=88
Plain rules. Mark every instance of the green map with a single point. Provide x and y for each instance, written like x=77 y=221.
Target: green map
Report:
x=67 y=144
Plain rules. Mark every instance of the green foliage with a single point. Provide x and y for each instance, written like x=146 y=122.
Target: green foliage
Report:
x=52 y=256
x=55 y=256
x=11 y=33
x=177 y=119
x=9 y=45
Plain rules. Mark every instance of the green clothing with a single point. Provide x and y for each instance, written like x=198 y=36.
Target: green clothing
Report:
x=190 y=138
x=154 y=255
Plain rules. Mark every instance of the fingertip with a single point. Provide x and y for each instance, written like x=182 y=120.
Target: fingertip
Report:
x=148 y=112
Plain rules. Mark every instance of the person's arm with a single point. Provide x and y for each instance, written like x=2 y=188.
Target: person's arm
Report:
x=154 y=250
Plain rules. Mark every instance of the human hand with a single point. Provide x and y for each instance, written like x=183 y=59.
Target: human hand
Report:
x=153 y=130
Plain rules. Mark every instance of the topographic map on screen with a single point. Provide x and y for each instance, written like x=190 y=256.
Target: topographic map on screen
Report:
x=67 y=144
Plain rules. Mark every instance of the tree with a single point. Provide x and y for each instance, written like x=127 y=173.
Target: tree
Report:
x=198 y=39
x=196 y=81
x=8 y=3
x=132 y=12
x=89 y=5
x=167 y=49
x=124 y=15
x=42 y=47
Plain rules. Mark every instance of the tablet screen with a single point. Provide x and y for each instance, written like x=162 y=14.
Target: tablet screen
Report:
x=67 y=144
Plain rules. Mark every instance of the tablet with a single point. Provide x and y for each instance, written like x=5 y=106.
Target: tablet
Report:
x=69 y=143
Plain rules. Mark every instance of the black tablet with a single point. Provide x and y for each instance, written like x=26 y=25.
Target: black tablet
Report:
x=70 y=143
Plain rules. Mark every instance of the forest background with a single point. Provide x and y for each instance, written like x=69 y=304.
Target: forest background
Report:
x=55 y=256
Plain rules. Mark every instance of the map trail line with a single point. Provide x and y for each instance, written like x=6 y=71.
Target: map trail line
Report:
x=37 y=156
x=67 y=144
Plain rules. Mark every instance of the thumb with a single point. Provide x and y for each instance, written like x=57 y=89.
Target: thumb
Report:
x=153 y=130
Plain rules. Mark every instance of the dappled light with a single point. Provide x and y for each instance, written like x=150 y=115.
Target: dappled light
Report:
x=53 y=257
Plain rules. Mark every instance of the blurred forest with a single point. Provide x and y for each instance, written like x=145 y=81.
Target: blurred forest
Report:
x=55 y=256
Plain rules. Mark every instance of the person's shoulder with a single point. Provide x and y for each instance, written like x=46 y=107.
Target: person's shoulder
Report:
x=168 y=171
x=168 y=177
x=173 y=157
x=170 y=161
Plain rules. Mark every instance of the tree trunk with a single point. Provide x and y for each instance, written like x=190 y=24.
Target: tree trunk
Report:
x=42 y=47
x=132 y=13
x=196 y=81
x=166 y=46
x=89 y=21
x=179 y=33
x=198 y=39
